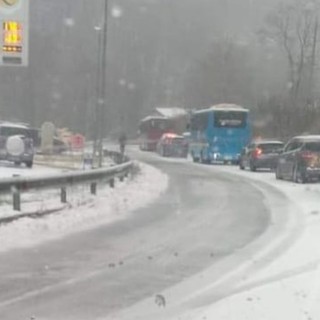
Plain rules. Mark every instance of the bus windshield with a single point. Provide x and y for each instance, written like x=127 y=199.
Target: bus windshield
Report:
x=230 y=119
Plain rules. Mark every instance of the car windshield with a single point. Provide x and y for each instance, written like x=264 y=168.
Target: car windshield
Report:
x=142 y=170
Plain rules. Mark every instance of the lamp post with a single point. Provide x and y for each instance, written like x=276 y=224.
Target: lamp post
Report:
x=101 y=103
x=97 y=94
x=101 y=83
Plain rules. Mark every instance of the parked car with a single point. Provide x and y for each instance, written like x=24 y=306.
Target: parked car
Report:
x=300 y=159
x=260 y=154
x=172 y=145
x=16 y=144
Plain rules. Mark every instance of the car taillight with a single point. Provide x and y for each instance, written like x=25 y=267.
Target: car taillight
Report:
x=307 y=155
x=257 y=152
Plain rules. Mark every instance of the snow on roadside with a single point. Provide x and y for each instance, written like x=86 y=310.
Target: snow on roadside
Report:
x=288 y=288
x=110 y=205
x=8 y=170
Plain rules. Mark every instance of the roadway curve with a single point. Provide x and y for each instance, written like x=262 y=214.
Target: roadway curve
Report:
x=204 y=217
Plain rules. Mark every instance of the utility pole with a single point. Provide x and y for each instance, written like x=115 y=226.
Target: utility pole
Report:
x=96 y=122
x=102 y=105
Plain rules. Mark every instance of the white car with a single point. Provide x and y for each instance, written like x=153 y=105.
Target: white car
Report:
x=16 y=144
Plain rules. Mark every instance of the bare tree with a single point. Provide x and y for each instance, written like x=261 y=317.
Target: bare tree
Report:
x=294 y=28
x=225 y=74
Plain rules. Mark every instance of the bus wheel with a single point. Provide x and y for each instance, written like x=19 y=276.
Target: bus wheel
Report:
x=194 y=158
x=202 y=159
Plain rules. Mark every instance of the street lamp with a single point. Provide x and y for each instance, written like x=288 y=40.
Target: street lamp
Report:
x=96 y=134
x=101 y=83
x=101 y=104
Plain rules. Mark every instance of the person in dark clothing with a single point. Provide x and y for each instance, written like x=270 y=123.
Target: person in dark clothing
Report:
x=122 y=142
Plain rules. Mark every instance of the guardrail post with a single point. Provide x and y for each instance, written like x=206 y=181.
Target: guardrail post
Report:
x=121 y=178
x=16 y=200
x=63 y=195
x=93 y=188
x=111 y=183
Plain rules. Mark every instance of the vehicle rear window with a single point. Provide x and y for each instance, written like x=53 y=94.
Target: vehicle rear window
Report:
x=270 y=147
x=230 y=119
x=12 y=131
x=177 y=140
x=312 y=146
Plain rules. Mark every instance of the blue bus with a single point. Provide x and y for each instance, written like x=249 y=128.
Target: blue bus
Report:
x=218 y=133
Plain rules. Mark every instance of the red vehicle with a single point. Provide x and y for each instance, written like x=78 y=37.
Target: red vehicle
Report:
x=151 y=130
x=173 y=145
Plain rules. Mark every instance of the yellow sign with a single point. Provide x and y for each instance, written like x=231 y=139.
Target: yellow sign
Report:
x=12 y=33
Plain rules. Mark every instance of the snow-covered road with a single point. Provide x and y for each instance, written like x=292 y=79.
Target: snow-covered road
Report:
x=218 y=244
x=108 y=267
x=34 y=201
x=278 y=281
x=287 y=287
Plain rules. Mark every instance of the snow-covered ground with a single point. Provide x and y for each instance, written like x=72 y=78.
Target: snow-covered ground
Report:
x=8 y=170
x=87 y=211
x=32 y=201
x=288 y=287
x=40 y=200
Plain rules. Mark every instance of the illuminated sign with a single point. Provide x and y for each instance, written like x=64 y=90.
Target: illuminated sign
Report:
x=12 y=33
x=14 y=20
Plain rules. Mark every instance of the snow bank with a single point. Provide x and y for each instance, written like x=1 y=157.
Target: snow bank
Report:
x=87 y=211
x=7 y=170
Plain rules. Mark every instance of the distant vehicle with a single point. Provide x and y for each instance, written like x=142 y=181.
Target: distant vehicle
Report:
x=151 y=130
x=16 y=143
x=300 y=159
x=172 y=145
x=260 y=155
x=219 y=133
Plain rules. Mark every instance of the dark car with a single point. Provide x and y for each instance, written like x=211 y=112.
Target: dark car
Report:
x=260 y=154
x=300 y=160
x=172 y=145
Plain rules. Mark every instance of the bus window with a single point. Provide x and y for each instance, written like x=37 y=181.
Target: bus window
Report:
x=199 y=121
x=230 y=119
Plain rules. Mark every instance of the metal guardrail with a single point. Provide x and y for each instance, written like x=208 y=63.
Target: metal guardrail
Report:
x=17 y=185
